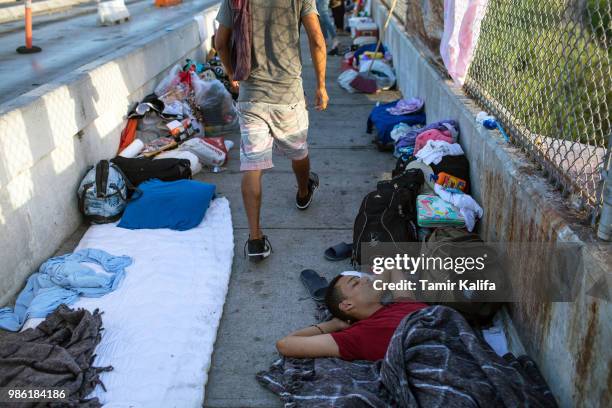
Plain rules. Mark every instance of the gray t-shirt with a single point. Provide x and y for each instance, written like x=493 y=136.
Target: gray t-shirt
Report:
x=276 y=63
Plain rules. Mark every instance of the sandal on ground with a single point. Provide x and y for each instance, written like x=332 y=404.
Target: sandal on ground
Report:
x=315 y=284
x=339 y=252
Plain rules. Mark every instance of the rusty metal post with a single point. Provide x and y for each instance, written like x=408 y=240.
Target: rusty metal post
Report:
x=604 y=230
x=29 y=48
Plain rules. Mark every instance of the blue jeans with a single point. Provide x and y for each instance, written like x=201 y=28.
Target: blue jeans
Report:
x=327 y=25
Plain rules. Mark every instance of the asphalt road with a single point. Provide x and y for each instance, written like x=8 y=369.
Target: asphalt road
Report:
x=70 y=43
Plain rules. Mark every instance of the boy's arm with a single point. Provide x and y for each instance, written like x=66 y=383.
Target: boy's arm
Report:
x=311 y=342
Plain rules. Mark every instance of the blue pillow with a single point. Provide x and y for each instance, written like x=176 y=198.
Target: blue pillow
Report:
x=178 y=205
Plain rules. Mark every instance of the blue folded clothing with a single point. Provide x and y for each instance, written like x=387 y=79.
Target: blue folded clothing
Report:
x=62 y=280
x=178 y=205
x=384 y=122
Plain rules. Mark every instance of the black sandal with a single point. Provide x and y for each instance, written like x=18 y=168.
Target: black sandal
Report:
x=315 y=284
x=339 y=252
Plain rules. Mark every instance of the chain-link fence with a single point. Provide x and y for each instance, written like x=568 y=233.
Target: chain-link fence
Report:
x=542 y=67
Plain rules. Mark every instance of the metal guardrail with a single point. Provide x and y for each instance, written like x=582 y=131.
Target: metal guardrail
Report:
x=543 y=68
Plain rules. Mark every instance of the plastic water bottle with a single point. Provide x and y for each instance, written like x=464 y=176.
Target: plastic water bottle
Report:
x=489 y=122
x=485 y=120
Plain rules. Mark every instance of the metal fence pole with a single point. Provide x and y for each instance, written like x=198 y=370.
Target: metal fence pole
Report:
x=604 y=230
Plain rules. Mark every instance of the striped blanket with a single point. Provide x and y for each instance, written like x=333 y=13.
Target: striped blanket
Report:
x=435 y=359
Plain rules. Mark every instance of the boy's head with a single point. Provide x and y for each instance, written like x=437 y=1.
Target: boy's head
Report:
x=349 y=297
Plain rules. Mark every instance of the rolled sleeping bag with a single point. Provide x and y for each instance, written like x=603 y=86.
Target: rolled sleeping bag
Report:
x=133 y=149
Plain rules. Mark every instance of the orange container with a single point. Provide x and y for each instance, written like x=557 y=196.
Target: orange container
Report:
x=448 y=181
x=167 y=3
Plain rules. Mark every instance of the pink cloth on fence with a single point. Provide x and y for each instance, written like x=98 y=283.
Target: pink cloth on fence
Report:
x=462 y=19
x=432 y=134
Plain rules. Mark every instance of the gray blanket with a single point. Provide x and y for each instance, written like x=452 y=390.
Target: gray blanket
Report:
x=57 y=354
x=434 y=359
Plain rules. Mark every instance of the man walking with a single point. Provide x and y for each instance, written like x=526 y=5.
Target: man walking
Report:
x=271 y=103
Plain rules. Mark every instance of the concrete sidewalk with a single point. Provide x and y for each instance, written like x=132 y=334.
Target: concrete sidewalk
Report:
x=267 y=300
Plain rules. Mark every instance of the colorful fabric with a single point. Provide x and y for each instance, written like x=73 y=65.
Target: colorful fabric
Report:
x=264 y=127
x=468 y=207
x=434 y=150
x=432 y=134
x=409 y=138
x=405 y=106
x=384 y=122
x=128 y=134
x=462 y=19
x=432 y=211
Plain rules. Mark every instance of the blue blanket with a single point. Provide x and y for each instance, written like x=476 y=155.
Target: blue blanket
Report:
x=62 y=280
x=384 y=122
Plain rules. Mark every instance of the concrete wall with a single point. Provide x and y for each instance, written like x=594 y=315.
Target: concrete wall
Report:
x=50 y=136
x=570 y=341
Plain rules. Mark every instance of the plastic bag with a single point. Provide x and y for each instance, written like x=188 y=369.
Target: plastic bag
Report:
x=195 y=124
x=210 y=151
x=381 y=72
x=170 y=81
x=151 y=126
x=214 y=101
x=346 y=78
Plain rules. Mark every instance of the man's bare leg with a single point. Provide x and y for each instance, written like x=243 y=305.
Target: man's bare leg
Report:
x=251 y=196
x=301 y=169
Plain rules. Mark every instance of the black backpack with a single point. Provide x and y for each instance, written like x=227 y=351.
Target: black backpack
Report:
x=452 y=242
x=141 y=169
x=388 y=214
x=400 y=167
